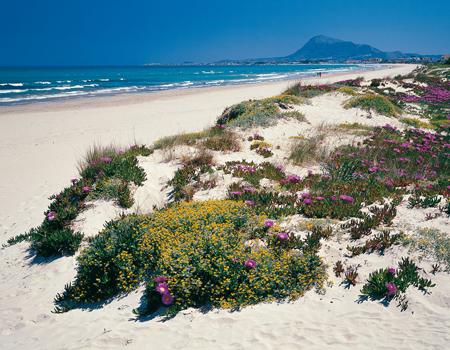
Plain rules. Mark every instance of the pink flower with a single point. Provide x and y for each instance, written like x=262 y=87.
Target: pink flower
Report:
x=250 y=263
x=310 y=172
x=249 y=202
x=304 y=195
x=121 y=152
x=236 y=193
x=160 y=279
x=389 y=183
x=93 y=163
x=280 y=167
x=162 y=288
x=236 y=260
x=320 y=198
x=347 y=198
x=74 y=180
x=269 y=223
x=106 y=159
x=308 y=201
x=391 y=289
x=248 y=189
x=392 y=270
x=51 y=215
x=86 y=188
x=282 y=235
x=58 y=196
x=167 y=299
x=252 y=170
x=333 y=198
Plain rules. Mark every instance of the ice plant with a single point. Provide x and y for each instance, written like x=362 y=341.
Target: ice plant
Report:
x=74 y=180
x=236 y=193
x=106 y=159
x=162 y=288
x=250 y=263
x=308 y=201
x=282 y=235
x=86 y=188
x=392 y=270
x=269 y=223
x=93 y=163
x=248 y=189
x=280 y=167
x=167 y=299
x=347 y=198
x=391 y=289
x=160 y=279
x=249 y=202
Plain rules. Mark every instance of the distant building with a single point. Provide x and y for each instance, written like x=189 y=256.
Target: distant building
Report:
x=353 y=61
x=401 y=60
x=373 y=60
x=445 y=57
x=426 y=58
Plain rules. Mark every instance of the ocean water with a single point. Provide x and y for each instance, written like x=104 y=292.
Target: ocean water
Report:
x=21 y=85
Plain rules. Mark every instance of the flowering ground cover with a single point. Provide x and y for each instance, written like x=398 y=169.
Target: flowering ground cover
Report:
x=237 y=250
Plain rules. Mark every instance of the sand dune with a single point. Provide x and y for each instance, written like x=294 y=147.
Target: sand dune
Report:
x=40 y=145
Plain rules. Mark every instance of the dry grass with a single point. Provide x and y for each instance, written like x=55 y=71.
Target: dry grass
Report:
x=94 y=153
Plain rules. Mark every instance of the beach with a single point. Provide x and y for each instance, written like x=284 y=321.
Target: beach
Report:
x=41 y=144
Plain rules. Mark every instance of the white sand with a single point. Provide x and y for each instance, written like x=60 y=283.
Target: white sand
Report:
x=40 y=144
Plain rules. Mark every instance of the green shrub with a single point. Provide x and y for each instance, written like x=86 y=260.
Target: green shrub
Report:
x=200 y=250
x=390 y=283
x=379 y=104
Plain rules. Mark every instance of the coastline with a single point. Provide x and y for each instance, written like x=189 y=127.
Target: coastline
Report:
x=139 y=97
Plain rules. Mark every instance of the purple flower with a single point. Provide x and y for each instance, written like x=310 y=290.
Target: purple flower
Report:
x=93 y=163
x=236 y=260
x=223 y=126
x=86 y=188
x=167 y=299
x=106 y=159
x=391 y=289
x=269 y=223
x=58 y=196
x=304 y=195
x=282 y=235
x=333 y=198
x=310 y=172
x=392 y=270
x=308 y=201
x=250 y=263
x=51 y=215
x=236 y=193
x=162 y=288
x=338 y=153
x=160 y=279
x=252 y=170
x=280 y=167
x=121 y=152
x=74 y=180
x=248 y=189
x=320 y=198
x=327 y=176
x=429 y=186
x=389 y=183
x=347 y=198
x=249 y=202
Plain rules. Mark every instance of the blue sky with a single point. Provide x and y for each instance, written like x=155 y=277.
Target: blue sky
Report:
x=100 y=32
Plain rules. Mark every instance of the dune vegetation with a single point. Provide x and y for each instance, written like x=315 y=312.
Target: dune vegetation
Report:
x=234 y=251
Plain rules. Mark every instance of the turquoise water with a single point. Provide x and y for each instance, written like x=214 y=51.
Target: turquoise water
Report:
x=20 y=85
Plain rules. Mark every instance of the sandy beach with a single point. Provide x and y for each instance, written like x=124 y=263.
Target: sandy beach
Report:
x=41 y=144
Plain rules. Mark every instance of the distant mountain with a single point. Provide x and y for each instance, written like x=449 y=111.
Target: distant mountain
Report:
x=323 y=48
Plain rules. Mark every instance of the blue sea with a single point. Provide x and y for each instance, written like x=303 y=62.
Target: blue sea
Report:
x=21 y=85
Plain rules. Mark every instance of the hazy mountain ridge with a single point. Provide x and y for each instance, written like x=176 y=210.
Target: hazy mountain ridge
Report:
x=323 y=48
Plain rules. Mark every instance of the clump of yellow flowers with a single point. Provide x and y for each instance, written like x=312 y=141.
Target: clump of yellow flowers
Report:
x=202 y=249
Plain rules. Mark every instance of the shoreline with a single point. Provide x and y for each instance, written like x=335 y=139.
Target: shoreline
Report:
x=139 y=97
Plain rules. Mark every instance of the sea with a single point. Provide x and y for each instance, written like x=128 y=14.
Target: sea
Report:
x=23 y=85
